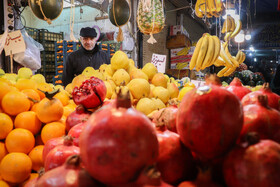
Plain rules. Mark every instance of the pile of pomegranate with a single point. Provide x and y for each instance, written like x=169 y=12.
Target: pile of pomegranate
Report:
x=216 y=137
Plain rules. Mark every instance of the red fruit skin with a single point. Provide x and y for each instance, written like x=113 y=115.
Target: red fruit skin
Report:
x=91 y=93
x=175 y=161
x=252 y=98
x=209 y=121
x=117 y=143
x=261 y=119
x=31 y=183
x=166 y=116
x=238 y=89
x=52 y=143
x=67 y=175
x=78 y=116
x=75 y=133
x=256 y=165
x=58 y=155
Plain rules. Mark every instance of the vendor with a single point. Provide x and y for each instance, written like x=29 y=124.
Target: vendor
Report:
x=87 y=55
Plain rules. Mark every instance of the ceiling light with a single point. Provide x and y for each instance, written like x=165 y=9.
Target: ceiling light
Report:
x=250 y=54
x=251 y=48
x=248 y=35
x=255 y=59
x=240 y=37
x=271 y=61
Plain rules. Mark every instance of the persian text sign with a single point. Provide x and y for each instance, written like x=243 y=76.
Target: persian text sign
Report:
x=14 y=43
x=159 y=61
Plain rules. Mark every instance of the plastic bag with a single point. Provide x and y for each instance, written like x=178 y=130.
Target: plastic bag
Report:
x=31 y=57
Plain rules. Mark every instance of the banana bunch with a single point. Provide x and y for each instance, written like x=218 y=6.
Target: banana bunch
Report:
x=206 y=52
x=230 y=62
x=184 y=51
x=231 y=28
x=209 y=8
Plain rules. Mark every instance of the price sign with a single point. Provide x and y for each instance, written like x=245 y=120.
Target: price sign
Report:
x=14 y=43
x=159 y=61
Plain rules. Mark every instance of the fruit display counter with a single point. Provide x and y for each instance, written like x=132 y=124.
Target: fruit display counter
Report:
x=124 y=126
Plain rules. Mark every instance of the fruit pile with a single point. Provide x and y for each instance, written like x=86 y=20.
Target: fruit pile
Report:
x=30 y=115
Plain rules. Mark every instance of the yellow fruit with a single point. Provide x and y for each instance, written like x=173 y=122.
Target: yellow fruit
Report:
x=2 y=72
x=78 y=80
x=12 y=77
x=173 y=90
x=158 y=103
x=4 y=184
x=121 y=76
x=109 y=70
x=25 y=73
x=184 y=91
x=161 y=93
x=102 y=68
x=151 y=90
x=59 y=87
x=88 y=72
x=113 y=85
x=39 y=78
x=119 y=61
x=137 y=73
x=139 y=88
x=145 y=105
x=159 y=80
x=109 y=90
x=69 y=88
x=150 y=70
x=23 y=84
x=131 y=62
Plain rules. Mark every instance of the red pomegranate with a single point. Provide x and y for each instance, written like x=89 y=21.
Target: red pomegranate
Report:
x=254 y=163
x=52 y=143
x=209 y=121
x=166 y=116
x=175 y=161
x=262 y=119
x=203 y=180
x=237 y=88
x=58 y=155
x=70 y=174
x=81 y=114
x=31 y=183
x=75 y=133
x=273 y=98
x=117 y=143
x=91 y=93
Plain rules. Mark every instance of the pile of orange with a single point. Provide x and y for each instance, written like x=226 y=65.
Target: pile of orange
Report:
x=28 y=120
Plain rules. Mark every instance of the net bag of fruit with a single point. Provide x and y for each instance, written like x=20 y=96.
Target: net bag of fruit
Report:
x=150 y=18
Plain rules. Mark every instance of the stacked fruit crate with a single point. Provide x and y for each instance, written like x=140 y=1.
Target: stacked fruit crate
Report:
x=62 y=50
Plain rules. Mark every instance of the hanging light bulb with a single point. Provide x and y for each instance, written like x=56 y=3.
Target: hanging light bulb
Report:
x=248 y=35
x=240 y=37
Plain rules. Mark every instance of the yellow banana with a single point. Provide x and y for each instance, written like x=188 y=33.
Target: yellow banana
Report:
x=237 y=29
x=225 y=57
x=184 y=51
x=216 y=51
x=181 y=65
x=195 y=53
x=229 y=71
x=222 y=71
x=219 y=62
x=202 y=52
x=198 y=13
x=226 y=25
x=233 y=60
x=210 y=52
x=238 y=55
x=242 y=58
x=219 y=6
x=211 y=6
x=227 y=36
x=232 y=28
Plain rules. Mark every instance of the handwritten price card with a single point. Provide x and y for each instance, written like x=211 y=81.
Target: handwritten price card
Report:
x=159 y=61
x=14 y=43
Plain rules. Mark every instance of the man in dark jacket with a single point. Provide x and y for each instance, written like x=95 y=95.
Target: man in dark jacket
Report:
x=88 y=55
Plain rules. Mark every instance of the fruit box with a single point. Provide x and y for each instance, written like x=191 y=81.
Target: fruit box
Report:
x=180 y=56
x=177 y=41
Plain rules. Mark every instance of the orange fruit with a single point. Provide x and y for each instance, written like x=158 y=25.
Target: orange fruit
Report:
x=63 y=120
x=3 y=151
x=28 y=120
x=3 y=183
x=63 y=97
x=4 y=88
x=6 y=125
x=38 y=140
x=52 y=130
x=32 y=94
x=15 y=167
x=49 y=110
x=68 y=110
x=20 y=140
x=34 y=107
x=23 y=84
x=15 y=102
x=43 y=87
x=32 y=176
x=36 y=155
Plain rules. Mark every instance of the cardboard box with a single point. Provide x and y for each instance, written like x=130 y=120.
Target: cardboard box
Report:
x=180 y=55
x=178 y=29
x=177 y=41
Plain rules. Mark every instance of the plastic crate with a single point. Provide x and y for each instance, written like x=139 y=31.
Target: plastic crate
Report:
x=32 y=32
x=45 y=35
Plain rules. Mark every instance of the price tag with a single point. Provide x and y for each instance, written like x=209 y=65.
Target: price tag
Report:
x=159 y=61
x=14 y=43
